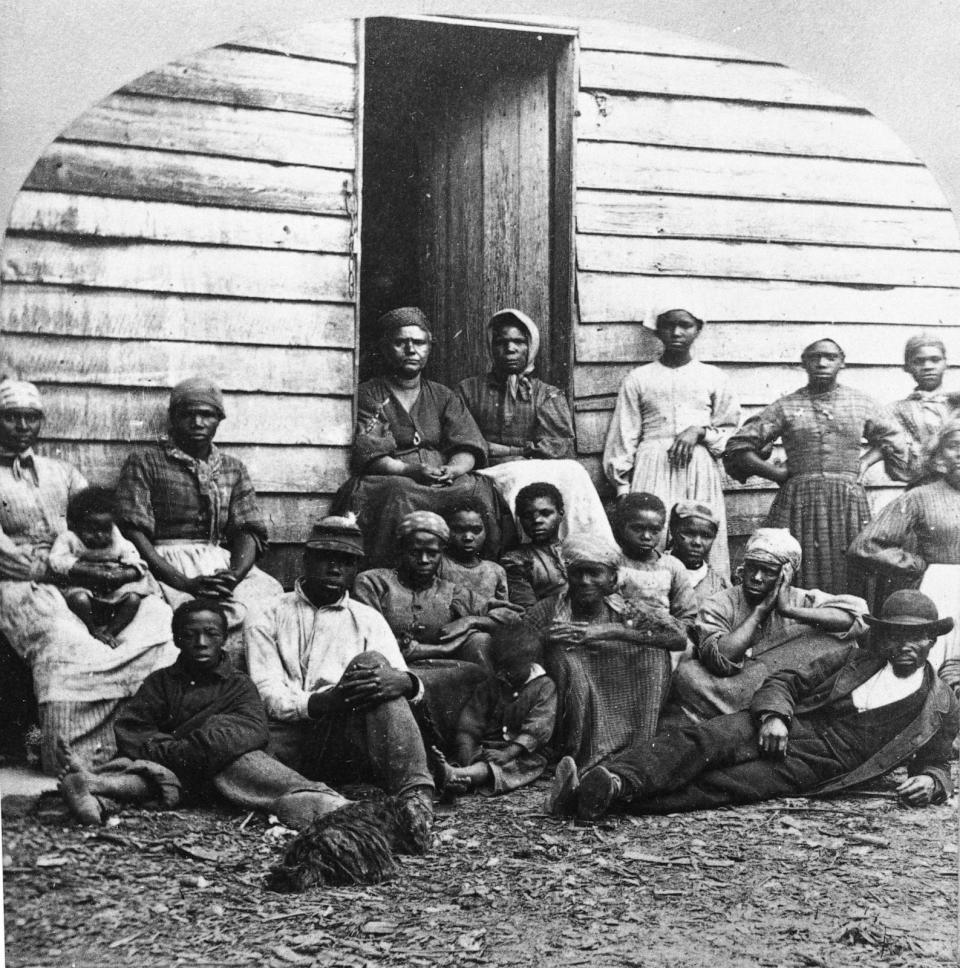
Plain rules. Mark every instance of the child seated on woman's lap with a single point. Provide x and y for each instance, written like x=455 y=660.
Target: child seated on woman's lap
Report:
x=535 y=570
x=93 y=550
x=649 y=577
x=461 y=562
x=506 y=723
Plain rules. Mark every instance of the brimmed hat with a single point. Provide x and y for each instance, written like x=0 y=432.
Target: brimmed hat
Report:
x=909 y=609
x=337 y=534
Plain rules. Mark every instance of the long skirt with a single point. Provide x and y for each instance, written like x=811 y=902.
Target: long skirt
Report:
x=79 y=681
x=583 y=510
x=942 y=584
x=609 y=698
x=824 y=512
x=254 y=593
x=380 y=503
x=700 y=480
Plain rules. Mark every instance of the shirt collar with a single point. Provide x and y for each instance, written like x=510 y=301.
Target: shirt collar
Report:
x=536 y=671
x=928 y=396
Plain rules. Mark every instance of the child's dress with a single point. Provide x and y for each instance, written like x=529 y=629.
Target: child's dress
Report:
x=486 y=579
x=706 y=581
x=656 y=403
x=498 y=715
x=534 y=572
x=68 y=549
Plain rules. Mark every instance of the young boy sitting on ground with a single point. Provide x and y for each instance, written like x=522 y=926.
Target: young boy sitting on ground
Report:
x=192 y=730
x=536 y=570
x=649 y=578
x=461 y=562
x=692 y=532
x=94 y=551
x=506 y=723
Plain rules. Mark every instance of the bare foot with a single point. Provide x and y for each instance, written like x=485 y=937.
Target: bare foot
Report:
x=453 y=780
x=72 y=763
x=75 y=789
x=106 y=638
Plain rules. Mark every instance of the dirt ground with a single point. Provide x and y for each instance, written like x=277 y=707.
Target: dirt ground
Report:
x=857 y=881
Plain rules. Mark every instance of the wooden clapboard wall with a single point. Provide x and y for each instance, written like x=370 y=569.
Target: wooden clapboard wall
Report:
x=198 y=221
x=774 y=208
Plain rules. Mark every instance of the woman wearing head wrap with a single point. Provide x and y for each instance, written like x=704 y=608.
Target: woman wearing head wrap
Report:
x=760 y=626
x=916 y=538
x=923 y=412
x=431 y=617
x=79 y=680
x=526 y=422
x=192 y=513
x=691 y=531
x=415 y=444
x=608 y=657
x=821 y=500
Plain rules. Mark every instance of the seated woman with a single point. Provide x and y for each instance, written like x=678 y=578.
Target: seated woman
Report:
x=79 y=680
x=192 y=513
x=916 y=538
x=415 y=443
x=691 y=533
x=761 y=626
x=431 y=617
x=608 y=658
x=527 y=427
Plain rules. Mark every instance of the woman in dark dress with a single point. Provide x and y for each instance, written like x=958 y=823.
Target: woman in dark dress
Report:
x=415 y=445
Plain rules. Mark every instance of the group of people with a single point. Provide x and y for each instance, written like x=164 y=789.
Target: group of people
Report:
x=469 y=612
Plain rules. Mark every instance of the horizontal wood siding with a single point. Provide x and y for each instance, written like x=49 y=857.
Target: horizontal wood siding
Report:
x=197 y=222
x=778 y=211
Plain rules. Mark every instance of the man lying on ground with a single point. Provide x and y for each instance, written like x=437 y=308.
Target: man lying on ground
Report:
x=834 y=724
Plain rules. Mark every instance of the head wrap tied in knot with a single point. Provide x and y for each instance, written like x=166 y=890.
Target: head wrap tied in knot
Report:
x=197 y=391
x=773 y=546
x=586 y=549
x=423 y=521
x=518 y=384
x=684 y=510
x=396 y=319
x=19 y=395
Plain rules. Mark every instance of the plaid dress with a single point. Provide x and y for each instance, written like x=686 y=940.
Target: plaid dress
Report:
x=822 y=503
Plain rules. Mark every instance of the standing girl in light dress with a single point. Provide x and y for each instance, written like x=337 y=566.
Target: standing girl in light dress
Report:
x=670 y=426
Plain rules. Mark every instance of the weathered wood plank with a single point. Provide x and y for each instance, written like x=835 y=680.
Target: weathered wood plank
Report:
x=163 y=267
x=281 y=470
x=291 y=516
x=637 y=38
x=777 y=220
x=723 y=343
x=758 y=384
x=193 y=179
x=215 y=129
x=737 y=127
x=122 y=314
x=91 y=412
x=606 y=297
x=767 y=260
x=147 y=363
x=619 y=71
x=330 y=40
x=245 y=78
x=119 y=218
x=654 y=168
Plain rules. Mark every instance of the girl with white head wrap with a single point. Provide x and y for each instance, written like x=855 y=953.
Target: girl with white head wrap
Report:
x=527 y=426
x=79 y=681
x=670 y=426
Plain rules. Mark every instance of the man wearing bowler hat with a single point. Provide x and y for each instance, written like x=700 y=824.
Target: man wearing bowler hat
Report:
x=821 y=729
x=335 y=686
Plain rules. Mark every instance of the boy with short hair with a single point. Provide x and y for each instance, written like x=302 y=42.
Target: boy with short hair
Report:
x=461 y=562
x=535 y=570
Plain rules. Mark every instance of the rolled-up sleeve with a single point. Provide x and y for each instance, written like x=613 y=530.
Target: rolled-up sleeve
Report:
x=884 y=544
x=884 y=432
x=715 y=620
x=725 y=412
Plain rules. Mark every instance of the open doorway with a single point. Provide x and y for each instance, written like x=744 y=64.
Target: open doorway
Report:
x=467 y=187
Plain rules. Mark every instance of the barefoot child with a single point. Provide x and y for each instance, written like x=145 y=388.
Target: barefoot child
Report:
x=506 y=723
x=93 y=550
x=536 y=570
x=192 y=729
x=461 y=562
x=648 y=577
x=692 y=531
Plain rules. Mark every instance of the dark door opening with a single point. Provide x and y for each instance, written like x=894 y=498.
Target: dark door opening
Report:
x=467 y=187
